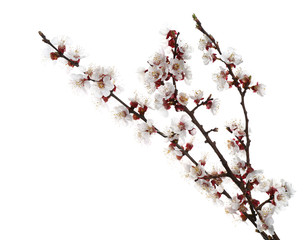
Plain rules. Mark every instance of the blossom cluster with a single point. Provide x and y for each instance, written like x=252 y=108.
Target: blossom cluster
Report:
x=164 y=72
x=162 y=77
x=226 y=78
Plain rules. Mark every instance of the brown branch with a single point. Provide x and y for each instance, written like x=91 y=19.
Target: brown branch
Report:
x=202 y=103
x=235 y=81
x=216 y=150
x=142 y=117
x=47 y=41
x=263 y=203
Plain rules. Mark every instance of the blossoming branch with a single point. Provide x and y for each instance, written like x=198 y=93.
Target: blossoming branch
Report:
x=252 y=198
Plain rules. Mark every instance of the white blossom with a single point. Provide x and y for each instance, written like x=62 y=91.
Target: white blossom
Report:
x=183 y=98
x=197 y=95
x=75 y=54
x=207 y=56
x=260 y=89
x=236 y=127
x=215 y=106
x=158 y=59
x=204 y=42
x=153 y=74
x=230 y=57
x=122 y=113
x=267 y=222
x=79 y=81
x=186 y=50
x=221 y=79
x=167 y=90
x=182 y=126
x=233 y=205
x=145 y=130
x=265 y=185
x=102 y=87
x=176 y=67
x=255 y=175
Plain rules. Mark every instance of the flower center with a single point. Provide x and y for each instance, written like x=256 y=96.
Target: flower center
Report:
x=101 y=84
x=176 y=66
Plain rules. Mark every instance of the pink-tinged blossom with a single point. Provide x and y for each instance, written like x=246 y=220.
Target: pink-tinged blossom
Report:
x=197 y=171
x=230 y=57
x=197 y=96
x=174 y=151
x=61 y=43
x=260 y=89
x=221 y=79
x=213 y=105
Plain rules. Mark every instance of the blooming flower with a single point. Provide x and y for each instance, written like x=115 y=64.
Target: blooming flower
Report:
x=208 y=56
x=176 y=67
x=230 y=57
x=221 y=79
x=265 y=185
x=267 y=222
x=122 y=113
x=260 y=89
x=204 y=43
x=186 y=50
x=213 y=105
x=75 y=54
x=197 y=96
x=183 y=98
x=154 y=73
x=232 y=145
x=145 y=130
x=102 y=87
x=158 y=59
x=80 y=81
x=182 y=126
x=236 y=128
x=255 y=175
x=167 y=90
x=233 y=205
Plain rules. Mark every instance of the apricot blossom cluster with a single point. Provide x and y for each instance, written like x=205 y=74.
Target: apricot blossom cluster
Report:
x=236 y=184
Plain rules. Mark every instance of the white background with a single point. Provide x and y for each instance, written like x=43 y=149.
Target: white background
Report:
x=69 y=171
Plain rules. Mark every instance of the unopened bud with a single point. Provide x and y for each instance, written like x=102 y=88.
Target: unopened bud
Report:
x=41 y=34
